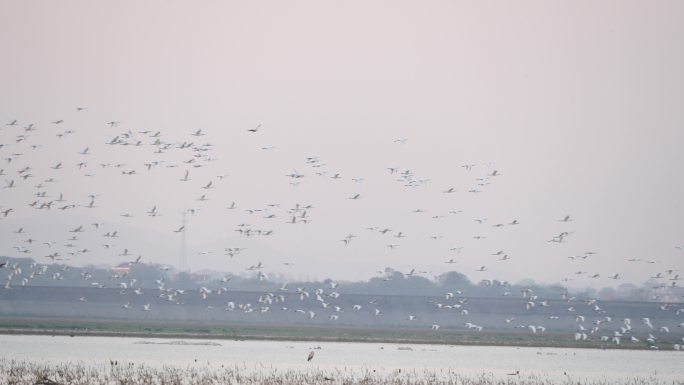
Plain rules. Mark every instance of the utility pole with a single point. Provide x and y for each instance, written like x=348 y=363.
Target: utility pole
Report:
x=183 y=254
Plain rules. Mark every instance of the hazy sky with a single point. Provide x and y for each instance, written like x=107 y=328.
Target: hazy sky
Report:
x=578 y=105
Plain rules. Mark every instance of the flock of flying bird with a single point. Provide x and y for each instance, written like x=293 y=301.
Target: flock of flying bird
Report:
x=19 y=148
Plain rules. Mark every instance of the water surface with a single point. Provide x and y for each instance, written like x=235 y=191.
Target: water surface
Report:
x=590 y=364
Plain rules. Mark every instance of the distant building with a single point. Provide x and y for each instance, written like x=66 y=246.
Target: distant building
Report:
x=122 y=268
x=200 y=277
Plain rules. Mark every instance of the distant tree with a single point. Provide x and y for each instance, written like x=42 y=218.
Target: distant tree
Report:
x=453 y=279
x=145 y=275
x=527 y=283
x=183 y=280
x=388 y=282
x=607 y=293
x=634 y=292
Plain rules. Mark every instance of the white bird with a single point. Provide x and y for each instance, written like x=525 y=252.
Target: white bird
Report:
x=647 y=322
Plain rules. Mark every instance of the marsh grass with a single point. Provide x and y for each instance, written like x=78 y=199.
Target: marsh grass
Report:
x=14 y=372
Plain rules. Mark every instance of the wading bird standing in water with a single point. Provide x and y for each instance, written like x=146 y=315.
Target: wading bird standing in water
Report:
x=310 y=356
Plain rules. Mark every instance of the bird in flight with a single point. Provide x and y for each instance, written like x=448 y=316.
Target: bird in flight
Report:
x=186 y=177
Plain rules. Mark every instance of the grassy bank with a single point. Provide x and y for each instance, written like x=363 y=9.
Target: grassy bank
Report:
x=299 y=333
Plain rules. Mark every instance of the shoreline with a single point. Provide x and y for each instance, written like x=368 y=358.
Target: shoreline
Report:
x=293 y=333
x=24 y=372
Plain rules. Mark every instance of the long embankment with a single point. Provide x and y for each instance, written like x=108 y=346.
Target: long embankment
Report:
x=80 y=311
x=398 y=335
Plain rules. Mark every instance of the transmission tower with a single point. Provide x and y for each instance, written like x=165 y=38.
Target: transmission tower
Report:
x=183 y=265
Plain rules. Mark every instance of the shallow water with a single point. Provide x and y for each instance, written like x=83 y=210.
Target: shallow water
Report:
x=558 y=363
